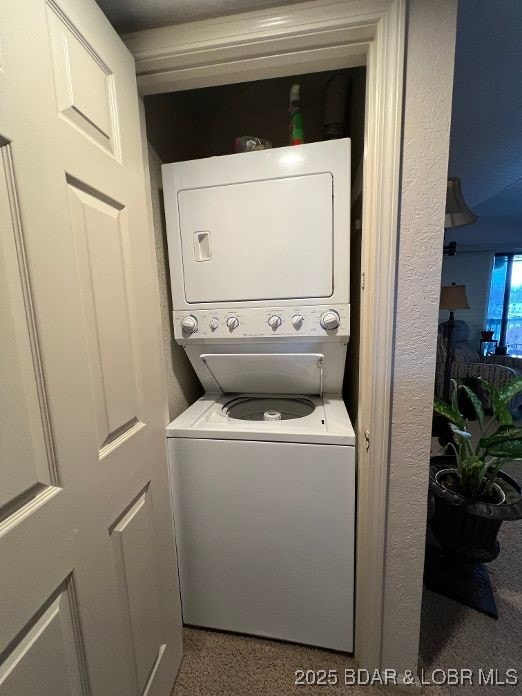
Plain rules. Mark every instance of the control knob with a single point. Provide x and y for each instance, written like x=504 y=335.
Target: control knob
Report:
x=330 y=320
x=232 y=323
x=274 y=322
x=297 y=321
x=213 y=323
x=189 y=324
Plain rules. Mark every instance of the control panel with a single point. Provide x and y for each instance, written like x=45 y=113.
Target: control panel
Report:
x=262 y=322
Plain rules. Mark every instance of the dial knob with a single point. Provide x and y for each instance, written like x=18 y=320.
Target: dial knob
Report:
x=274 y=322
x=232 y=323
x=297 y=321
x=330 y=320
x=189 y=324
x=213 y=323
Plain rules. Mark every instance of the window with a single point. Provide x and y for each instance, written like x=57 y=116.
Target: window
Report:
x=505 y=302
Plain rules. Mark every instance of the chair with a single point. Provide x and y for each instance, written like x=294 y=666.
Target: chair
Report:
x=467 y=363
x=506 y=360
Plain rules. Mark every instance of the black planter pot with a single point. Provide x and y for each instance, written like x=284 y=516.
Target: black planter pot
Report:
x=459 y=532
x=467 y=528
x=462 y=537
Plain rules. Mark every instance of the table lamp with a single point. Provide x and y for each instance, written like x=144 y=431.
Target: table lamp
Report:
x=452 y=297
x=458 y=213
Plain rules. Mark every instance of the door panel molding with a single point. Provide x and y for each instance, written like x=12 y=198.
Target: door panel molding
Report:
x=75 y=64
x=100 y=229
x=27 y=439
x=53 y=633
x=132 y=537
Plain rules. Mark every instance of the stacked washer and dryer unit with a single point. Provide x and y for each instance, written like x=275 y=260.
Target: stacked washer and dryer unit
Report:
x=263 y=465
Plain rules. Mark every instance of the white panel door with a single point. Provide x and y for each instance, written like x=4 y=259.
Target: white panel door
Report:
x=89 y=600
x=260 y=240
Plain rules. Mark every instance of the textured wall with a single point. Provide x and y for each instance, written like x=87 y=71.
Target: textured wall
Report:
x=472 y=269
x=183 y=387
x=429 y=75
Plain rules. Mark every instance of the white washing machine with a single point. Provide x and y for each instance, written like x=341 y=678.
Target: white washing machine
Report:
x=263 y=465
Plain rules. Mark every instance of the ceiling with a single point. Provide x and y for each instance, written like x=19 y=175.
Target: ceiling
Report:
x=134 y=15
x=486 y=129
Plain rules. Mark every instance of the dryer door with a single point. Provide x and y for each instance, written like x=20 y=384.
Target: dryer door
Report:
x=259 y=240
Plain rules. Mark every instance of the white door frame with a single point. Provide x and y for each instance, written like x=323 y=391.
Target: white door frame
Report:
x=310 y=37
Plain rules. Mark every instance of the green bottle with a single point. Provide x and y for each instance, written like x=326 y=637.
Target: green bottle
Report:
x=296 y=131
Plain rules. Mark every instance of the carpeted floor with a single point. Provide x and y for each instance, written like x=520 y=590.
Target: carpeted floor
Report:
x=223 y=664
x=219 y=664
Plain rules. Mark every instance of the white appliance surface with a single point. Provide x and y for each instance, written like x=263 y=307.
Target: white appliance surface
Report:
x=233 y=222
x=263 y=465
x=296 y=354
x=256 y=227
x=209 y=417
x=255 y=372
x=252 y=323
x=265 y=536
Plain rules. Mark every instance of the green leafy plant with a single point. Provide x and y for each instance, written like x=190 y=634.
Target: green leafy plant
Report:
x=480 y=459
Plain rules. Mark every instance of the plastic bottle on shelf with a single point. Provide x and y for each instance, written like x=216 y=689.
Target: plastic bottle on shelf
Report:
x=296 y=117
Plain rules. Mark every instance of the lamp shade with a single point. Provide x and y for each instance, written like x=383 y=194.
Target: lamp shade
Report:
x=457 y=212
x=453 y=297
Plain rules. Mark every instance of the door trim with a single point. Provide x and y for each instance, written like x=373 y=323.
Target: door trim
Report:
x=311 y=37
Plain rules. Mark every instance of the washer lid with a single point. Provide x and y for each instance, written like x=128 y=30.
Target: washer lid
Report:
x=266 y=373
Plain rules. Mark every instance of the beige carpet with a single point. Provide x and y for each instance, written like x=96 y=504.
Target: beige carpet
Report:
x=219 y=664
x=222 y=664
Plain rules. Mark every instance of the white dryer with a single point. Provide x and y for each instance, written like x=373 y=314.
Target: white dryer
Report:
x=263 y=465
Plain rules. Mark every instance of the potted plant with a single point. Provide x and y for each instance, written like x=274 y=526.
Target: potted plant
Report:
x=473 y=496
